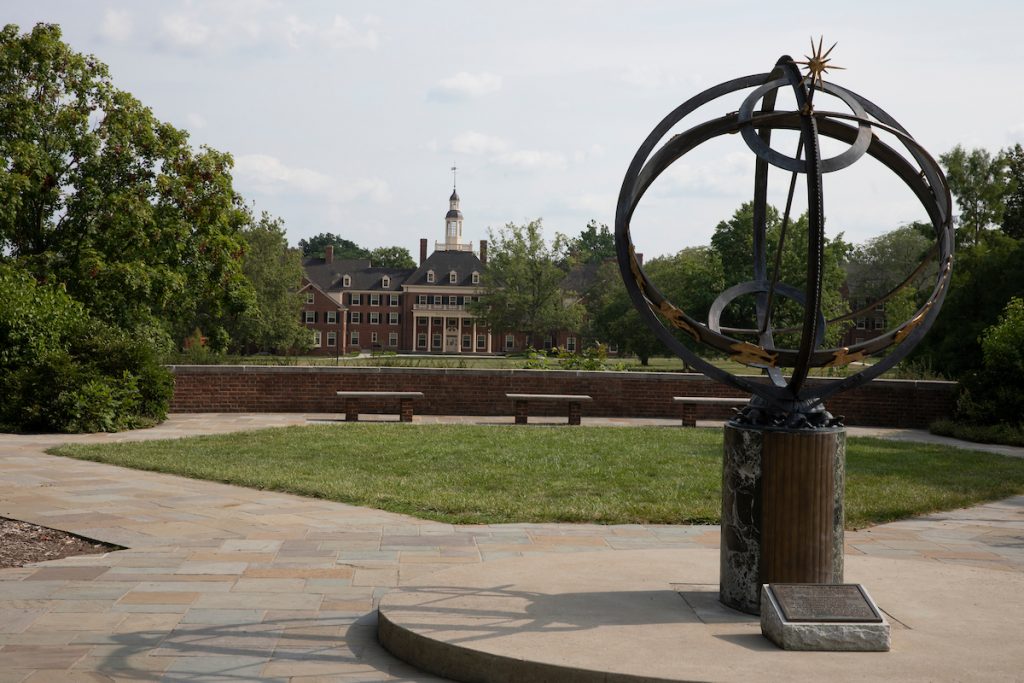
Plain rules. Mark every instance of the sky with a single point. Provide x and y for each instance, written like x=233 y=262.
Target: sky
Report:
x=347 y=117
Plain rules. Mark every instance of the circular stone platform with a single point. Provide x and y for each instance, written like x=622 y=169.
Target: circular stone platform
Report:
x=654 y=615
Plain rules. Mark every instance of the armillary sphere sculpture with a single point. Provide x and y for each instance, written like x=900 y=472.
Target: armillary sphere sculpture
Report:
x=787 y=401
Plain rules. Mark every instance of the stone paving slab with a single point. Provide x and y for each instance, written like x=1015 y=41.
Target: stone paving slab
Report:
x=221 y=582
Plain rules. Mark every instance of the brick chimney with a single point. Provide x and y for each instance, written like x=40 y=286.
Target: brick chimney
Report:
x=329 y=253
x=423 y=250
x=639 y=258
x=483 y=252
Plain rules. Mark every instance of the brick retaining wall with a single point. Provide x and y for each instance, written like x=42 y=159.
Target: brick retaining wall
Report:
x=248 y=388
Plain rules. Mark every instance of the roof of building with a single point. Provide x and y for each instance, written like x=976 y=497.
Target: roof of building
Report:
x=324 y=275
x=464 y=263
x=455 y=196
x=580 y=277
x=454 y=213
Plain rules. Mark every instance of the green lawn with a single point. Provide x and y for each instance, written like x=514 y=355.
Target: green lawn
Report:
x=494 y=474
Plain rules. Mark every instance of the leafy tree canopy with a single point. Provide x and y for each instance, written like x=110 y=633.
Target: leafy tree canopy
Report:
x=521 y=284
x=98 y=194
x=1013 y=210
x=978 y=181
x=343 y=248
x=274 y=270
x=594 y=244
x=391 y=257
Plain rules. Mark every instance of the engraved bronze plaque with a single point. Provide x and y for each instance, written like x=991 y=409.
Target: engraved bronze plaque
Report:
x=845 y=602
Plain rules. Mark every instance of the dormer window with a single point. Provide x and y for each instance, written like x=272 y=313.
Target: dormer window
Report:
x=346 y=281
x=453 y=277
x=476 y=278
x=430 y=276
x=385 y=282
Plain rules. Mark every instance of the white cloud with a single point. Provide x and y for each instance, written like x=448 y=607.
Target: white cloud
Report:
x=269 y=175
x=340 y=33
x=1016 y=133
x=195 y=120
x=501 y=152
x=472 y=142
x=116 y=26
x=596 y=204
x=465 y=85
x=595 y=151
x=184 y=31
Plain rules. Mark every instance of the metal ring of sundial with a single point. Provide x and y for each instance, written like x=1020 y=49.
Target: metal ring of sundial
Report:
x=788 y=163
x=916 y=168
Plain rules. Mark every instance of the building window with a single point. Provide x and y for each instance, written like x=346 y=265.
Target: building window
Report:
x=570 y=344
x=346 y=281
x=392 y=318
x=453 y=277
x=476 y=278
x=354 y=339
x=436 y=322
x=310 y=316
x=373 y=337
x=437 y=340
x=548 y=343
x=430 y=276
x=310 y=296
x=467 y=341
x=316 y=338
x=356 y=299
x=510 y=342
x=394 y=300
x=332 y=339
x=422 y=322
x=481 y=341
x=421 y=340
x=879 y=324
x=437 y=299
x=355 y=317
x=453 y=300
x=392 y=339
x=375 y=318
x=861 y=325
x=332 y=317
x=421 y=299
x=385 y=282
x=375 y=299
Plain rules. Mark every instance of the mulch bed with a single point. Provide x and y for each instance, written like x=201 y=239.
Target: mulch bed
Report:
x=22 y=543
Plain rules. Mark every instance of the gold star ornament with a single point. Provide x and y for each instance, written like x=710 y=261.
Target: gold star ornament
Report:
x=817 y=63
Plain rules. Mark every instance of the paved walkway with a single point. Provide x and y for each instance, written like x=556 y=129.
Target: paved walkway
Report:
x=225 y=583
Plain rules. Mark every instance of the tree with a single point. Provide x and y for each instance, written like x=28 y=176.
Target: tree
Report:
x=343 y=248
x=96 y=193
x=1013 y=209
x=985 y=277
x=612 y=318
x=991 y=394
x=521 y=289
x=733 y=240
x=594 y=244
x=274 y=270
x=978 y=181
x=391 y=257
x=880 y=264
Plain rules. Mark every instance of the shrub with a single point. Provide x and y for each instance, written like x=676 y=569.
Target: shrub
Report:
x=992 y=394
x=61 y=370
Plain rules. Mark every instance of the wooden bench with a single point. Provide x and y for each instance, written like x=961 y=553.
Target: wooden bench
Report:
x=405 y=399
x=523 y=404
x=690 y=404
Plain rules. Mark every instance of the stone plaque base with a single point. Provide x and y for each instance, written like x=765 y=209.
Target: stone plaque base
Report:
x=836 y=630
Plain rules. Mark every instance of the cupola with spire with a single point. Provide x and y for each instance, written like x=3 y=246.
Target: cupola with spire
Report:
x=453 y=220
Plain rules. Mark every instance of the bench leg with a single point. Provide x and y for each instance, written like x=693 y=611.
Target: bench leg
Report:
x=352 y=410
x=574 y=413
x=522 y=412
x=689 y=415
x=405 y=413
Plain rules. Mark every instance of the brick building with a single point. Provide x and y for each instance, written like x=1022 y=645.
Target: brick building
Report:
x=350 y=305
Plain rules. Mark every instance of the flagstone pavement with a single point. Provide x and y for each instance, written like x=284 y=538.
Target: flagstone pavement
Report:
x=224 y=583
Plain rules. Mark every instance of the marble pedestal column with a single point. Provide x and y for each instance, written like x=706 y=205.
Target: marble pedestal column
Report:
x=782 y=510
